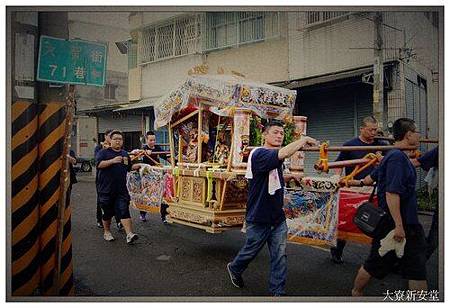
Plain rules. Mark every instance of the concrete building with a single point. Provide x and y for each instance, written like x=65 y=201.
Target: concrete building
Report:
x=96 y=105
x=331 y=63
x=328 y=56
x=167 y=45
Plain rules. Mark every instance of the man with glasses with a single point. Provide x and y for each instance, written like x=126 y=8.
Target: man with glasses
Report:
x=367 y=133
x=396 y=190
x=104 y=145
x=113 y=164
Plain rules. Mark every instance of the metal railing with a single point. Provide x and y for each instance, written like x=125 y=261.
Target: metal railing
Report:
x=176 y=37
x=315 y=18
x=186 y=35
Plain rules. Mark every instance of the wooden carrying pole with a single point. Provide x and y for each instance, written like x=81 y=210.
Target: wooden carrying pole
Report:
x=425 y=140
x=359 y=148
x=343 y=163
x=158 y=152
x=349 y=163
x=355 y=148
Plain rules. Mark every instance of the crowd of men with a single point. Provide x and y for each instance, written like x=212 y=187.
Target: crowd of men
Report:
x=112 y=164
x=395 y=180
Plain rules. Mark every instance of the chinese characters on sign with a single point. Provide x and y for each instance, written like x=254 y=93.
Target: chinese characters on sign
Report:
x=411 y=296
x=71 y=61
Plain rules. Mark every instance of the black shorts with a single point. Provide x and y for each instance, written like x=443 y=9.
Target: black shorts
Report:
x=412 y=264
x=114 y=204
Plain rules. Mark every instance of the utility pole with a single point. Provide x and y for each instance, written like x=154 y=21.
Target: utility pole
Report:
x=378 y=72
x=54 y=128
x=53 y=24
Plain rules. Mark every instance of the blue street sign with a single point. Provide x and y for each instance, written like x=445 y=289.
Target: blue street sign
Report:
x=71 y=61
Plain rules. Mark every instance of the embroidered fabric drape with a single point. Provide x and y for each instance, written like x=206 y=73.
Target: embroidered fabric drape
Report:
x=146 y=189
x=224 y=93
x=312 y=211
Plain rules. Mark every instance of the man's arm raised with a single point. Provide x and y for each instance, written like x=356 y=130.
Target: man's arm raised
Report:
x=295 y=146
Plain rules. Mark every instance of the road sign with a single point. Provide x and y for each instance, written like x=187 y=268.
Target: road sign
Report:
x=71 y=61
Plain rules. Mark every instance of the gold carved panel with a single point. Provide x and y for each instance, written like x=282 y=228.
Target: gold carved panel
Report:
x=186 y=188
x=198 y=190
x=193 y=190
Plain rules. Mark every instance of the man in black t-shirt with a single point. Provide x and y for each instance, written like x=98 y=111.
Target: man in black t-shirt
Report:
x=113 y=164
x=396 y=190
x=104 y=145
x=153 y=159
x=265 y=219
x=367 y=133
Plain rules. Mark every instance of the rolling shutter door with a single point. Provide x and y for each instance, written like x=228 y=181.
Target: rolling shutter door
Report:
x=334 y=115
x=127 y=123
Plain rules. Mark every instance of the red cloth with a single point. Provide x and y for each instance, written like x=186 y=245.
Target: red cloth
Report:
x=168 y=187
x=349 y=202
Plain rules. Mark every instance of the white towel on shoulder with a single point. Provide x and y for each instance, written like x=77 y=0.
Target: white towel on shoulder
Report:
x=274 y=179
x=389 y=243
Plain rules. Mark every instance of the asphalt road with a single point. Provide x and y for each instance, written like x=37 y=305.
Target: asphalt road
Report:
x=183 y=263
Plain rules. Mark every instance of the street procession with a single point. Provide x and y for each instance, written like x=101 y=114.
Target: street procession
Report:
x=158 y=152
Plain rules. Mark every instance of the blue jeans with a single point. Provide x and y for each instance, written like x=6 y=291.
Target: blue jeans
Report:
x=257 y=236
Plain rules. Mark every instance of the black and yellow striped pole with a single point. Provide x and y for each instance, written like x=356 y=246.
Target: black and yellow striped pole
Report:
x=55 y=237
x=41 y=227
x=41 y=248
x=51 y=131
x=25 y=252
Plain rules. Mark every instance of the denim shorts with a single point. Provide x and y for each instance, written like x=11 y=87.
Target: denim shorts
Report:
x=112 y=204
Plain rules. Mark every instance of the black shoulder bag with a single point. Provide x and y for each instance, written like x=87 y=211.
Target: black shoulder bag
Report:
x=369 y=218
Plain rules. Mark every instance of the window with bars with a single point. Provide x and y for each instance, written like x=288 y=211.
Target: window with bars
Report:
x=177 y=37
x=165 y=38
x=233 y=28
x=187 y=34
x=319 y=17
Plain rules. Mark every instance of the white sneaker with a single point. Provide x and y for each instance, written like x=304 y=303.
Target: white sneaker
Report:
x=108 y=237
x=131 y=237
